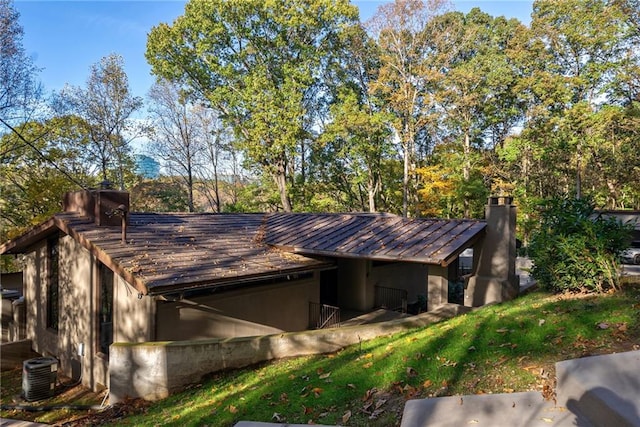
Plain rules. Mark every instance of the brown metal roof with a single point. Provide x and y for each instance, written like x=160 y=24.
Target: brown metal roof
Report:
x=166 y=252
x=372 y=236
x=176 y=251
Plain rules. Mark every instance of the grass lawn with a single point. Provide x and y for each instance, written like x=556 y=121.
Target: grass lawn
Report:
x=508 y=347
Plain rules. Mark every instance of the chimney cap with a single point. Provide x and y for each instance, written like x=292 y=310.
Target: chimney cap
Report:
x=501 y=200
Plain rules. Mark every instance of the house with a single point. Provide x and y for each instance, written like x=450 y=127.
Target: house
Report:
x=96 y=273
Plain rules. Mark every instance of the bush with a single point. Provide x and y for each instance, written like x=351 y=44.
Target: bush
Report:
x=575 y=249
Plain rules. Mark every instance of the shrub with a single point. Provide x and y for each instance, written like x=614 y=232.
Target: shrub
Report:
x=575 y=249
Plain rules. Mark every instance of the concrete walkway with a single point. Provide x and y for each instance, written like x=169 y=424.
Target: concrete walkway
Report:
x=592 y=391
x=18 y=423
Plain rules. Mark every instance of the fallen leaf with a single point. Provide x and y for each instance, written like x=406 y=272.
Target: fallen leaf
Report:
x=367 y=365
x=547 y=420
x=233 y=409
x=502 y=330
x=369 y=393
x=277 y=417
x=412 y=372
x=351 y=386
x=325 y=376
x=346 y=417
x=306 y=410
x=427 y=384
x=317 y=391
x=603 y=325
x=380 y=402
x=472 y=348
x=284 y=397
x=541 y=322
x=622 y=327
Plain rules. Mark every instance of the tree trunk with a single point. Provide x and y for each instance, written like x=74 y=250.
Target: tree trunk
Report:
x=466 y=173
x=280 y=179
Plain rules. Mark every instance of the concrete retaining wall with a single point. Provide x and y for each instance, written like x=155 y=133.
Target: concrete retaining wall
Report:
x=154 y=370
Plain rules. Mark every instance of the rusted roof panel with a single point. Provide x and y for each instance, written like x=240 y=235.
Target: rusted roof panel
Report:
x=372 y=236
x=174 y=251
x=171 y=251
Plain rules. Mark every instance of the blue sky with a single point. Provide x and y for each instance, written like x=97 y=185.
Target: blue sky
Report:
x=66 y=37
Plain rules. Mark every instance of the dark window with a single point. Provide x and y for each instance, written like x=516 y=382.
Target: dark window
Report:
x=53 y=300
x=105 y=312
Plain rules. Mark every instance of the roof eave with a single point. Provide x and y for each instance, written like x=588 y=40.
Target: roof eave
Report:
x=158 y=290
x=21 y=243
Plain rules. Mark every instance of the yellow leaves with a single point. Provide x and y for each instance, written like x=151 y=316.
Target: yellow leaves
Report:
x=346 y=417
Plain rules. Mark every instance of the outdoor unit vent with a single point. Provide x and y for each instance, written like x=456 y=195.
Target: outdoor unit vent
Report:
x=39 y=378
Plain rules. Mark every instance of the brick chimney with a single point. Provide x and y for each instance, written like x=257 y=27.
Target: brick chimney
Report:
x=494 y=257
x=107 y=207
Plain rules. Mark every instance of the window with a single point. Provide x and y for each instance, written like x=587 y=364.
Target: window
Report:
x=105 y=308
x=53 y=300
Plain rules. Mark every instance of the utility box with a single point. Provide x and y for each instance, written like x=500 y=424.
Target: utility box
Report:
x=39 y=378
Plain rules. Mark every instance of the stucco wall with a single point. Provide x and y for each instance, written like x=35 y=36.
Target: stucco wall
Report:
x=75 y=343
x=411 y=277
x=257 y=310
x=355 y=292
x=35 y=278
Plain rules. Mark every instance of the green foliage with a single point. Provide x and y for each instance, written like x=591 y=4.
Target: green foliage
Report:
x=575 y=249
x=160 y=195
x=262 y=65
x=38 y=169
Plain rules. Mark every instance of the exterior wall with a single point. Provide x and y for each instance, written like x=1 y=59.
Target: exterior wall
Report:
x=75 y=343
x=355 y=292
x=411 y=277
x=76 y=297
x=45 y=341
x=257 y=310
x=494 y=278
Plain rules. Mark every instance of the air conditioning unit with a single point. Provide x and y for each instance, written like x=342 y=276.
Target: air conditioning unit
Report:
x=39 y=378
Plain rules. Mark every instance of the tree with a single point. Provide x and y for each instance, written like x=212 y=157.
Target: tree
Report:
x=583 y=41
x=189 y=139
x=357 y=138
x=32 y=178
x=474 y=94
x=260 y=64
x=218 y=157
x=18 y=86
x=176 y=138
x=405 y=75
x=575 y=250
x=107 y=106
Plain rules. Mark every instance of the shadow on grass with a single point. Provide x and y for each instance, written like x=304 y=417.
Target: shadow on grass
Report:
x=500 y=348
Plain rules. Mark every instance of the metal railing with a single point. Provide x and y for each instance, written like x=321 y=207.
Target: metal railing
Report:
x=323 y=316
x=391 y=298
